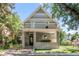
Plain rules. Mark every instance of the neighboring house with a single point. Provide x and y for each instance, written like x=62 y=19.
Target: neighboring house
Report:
x=40 y=31
x=75 y=42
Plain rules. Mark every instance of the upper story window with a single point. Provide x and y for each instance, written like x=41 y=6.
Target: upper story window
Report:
x=40 y=15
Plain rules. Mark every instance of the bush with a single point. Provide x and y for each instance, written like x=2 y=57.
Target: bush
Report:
x=15 y=41
x=9 y=43
x=12 y=42
x=73 y=50
x=15 y=44
x=66 y=42
x=6 y=46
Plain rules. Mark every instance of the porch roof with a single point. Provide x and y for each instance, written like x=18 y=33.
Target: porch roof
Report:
x=40 y=30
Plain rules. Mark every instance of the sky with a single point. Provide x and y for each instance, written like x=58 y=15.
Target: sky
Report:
x=24 y=10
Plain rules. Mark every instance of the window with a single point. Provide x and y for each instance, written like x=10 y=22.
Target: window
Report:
x=42 y=37
x=45 y=38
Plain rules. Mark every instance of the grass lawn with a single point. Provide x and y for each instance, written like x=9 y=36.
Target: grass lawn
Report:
x=63 y=49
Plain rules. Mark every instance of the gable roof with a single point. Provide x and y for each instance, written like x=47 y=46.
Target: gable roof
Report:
x=40 y=7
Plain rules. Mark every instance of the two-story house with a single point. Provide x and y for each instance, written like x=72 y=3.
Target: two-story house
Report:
x=40 y=31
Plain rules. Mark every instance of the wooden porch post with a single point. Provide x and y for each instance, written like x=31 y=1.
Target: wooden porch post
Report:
x=23 y=39
x=34 y=40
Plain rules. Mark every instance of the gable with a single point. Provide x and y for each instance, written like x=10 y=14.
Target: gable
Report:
x=39 y=13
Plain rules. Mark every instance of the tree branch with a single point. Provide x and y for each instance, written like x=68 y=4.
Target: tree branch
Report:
x=68 y=8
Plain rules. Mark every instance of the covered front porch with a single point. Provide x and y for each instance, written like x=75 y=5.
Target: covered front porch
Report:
x=39 y=39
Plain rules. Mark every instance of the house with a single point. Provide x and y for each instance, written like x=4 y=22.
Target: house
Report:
x=75 y=42
x=40 y=31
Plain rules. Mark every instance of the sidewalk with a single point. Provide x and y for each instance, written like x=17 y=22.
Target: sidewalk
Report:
x=15 y=52
x=30 y=52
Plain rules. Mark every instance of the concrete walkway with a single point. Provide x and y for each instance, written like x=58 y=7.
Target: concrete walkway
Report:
x=29 y=52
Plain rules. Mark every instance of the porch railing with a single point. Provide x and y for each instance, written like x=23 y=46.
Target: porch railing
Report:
x=40 y=25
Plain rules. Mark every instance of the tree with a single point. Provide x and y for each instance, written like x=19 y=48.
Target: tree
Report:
x=5 y=11
x=9 y=20
x=69 y=12
x=62 y=36
x=14 y=23
x=74 y=36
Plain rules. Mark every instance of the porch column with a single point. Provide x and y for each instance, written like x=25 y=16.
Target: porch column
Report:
x=34 y=39
x=23 y=39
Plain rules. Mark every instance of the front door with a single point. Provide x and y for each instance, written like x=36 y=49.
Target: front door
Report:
x=31 y=39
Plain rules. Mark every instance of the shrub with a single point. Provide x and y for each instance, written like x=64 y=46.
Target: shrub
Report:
x=66 y=42
x=6 y=46
x=73 y=50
